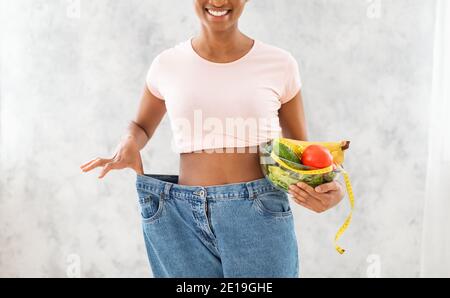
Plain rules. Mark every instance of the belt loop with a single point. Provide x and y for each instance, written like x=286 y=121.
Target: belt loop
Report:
x=167 y=187
x=251 y=191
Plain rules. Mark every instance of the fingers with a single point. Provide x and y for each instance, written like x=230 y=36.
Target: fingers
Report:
x=108 y=167
x=305 y=199
x=334 y=185
x=84 y=165
x=312 y=192
x=317 y=199
x=312 y=204
x=95 y=163
x=88 y=166
x=298 y=194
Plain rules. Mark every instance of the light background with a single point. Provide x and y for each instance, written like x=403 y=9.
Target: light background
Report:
x=69 y=86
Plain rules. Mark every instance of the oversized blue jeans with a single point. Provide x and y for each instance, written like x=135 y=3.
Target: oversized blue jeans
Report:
x=233 y=230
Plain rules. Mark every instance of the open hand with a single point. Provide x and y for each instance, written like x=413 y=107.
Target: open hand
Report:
x=127 y=156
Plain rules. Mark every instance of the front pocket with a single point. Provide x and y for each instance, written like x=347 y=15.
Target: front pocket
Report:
x=151 y=206
x=275 y=204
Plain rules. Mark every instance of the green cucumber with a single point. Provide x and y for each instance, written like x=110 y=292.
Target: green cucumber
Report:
x=285 y=153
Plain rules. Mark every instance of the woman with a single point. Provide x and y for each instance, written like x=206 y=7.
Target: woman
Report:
x=219 y=217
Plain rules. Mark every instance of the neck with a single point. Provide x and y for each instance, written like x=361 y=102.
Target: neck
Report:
x=220 y=42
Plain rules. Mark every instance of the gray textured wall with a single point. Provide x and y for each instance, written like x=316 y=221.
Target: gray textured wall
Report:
x=69 y=85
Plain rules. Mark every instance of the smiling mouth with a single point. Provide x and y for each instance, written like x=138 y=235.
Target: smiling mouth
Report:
x=218 y=13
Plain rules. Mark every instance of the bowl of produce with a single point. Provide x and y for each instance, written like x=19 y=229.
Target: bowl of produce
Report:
x=285 y=162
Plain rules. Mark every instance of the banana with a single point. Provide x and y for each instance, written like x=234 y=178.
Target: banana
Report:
x=336 y=148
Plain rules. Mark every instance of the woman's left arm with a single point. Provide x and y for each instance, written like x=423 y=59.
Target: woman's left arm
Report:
x=293 y=125
x=292 y=119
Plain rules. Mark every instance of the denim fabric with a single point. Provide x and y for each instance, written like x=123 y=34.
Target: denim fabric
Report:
x=233 y=230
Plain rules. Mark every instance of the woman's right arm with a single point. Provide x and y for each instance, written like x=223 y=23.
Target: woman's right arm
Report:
x=150 y=113
x=140 y=131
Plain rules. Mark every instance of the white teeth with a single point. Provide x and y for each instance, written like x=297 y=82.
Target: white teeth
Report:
x=217 y=13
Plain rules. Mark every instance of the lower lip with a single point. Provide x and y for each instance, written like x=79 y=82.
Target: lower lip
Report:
x=215 y=18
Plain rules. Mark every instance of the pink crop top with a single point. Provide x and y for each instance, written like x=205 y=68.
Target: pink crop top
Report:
x=223 y=105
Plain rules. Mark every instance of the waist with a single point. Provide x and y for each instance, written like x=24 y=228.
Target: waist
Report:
x=231 y=165
x=168 y=184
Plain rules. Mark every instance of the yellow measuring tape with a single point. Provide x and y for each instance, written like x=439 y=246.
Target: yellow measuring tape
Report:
x=303 y=172
x=347 y=221
x=348 y=186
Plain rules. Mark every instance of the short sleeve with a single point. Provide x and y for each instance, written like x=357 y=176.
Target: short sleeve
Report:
x=292 y=82
x=153 y=77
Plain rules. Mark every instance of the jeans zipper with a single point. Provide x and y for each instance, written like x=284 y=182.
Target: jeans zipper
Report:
x=208 y=221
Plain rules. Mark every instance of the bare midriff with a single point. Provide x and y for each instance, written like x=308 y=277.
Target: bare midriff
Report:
x=230 y=166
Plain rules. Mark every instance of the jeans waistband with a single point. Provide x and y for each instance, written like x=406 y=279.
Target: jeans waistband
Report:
x=168 y=184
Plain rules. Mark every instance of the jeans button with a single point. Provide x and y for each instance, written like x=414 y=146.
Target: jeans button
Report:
x=201 y=193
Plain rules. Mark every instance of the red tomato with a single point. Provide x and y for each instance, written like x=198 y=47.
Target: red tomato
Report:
x=317 y=156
